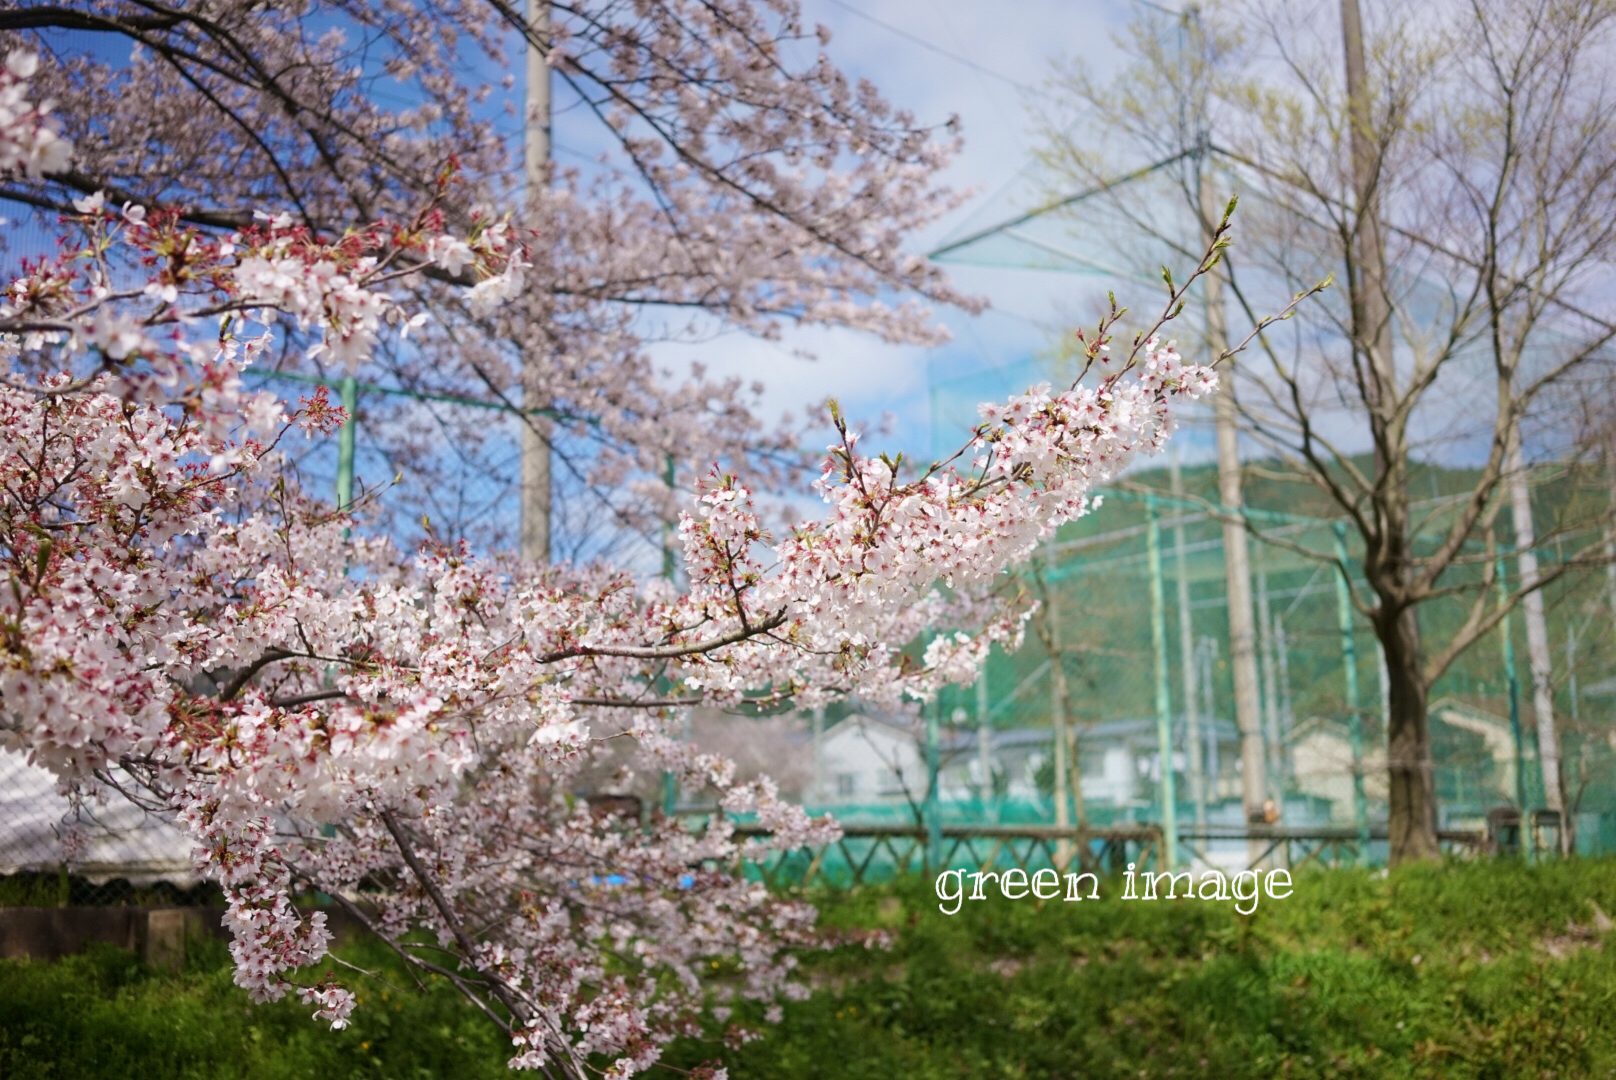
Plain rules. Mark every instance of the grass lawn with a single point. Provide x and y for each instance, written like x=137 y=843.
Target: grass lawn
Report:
x=1482 y=970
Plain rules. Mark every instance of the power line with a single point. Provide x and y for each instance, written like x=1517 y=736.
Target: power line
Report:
x=1058 y=204
x=924 y=44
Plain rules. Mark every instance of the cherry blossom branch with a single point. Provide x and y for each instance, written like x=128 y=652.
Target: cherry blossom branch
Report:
x=240 y=679
x=412 y=961
x=295 y=700
x=467 y=684
x=639 y=703
x=468 y=947
x=667 y=652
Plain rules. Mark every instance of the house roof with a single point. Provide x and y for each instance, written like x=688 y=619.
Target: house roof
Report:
x=1448 y=710
x=119 y=838
x=955 y=738
x=1602 y=688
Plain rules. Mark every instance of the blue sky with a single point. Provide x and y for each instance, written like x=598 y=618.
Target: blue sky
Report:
x=1001 y=53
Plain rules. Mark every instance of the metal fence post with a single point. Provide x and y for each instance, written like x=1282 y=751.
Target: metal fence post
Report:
x=1508 y=642
x=1164 y=708
x=1349 y=667
x=349 y=390
x=930 y=809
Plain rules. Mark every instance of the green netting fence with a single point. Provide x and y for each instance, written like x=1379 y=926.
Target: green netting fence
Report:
x=1144 y=675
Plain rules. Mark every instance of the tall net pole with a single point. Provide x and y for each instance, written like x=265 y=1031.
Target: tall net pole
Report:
x=984 y=742
x=1057 y=714
x=1270 y=673
x=1537 y=640
x=1507 y=645
x=349 y=389
x=1610 y=541
x=1236 y=558
x=931 y=810
x=670 y=782
x=817 y=793
x=535 y=534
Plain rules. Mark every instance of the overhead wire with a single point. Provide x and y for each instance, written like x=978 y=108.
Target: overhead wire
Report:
x=924 y=44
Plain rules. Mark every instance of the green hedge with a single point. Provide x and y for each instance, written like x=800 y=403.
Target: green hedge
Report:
x=1483 y=970
x=102 y=1015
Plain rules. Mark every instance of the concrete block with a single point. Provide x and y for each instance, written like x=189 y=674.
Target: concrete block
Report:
x=162 y=938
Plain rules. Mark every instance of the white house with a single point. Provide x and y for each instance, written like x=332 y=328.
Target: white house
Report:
x=874 y=760
x=868 y=760
x=1321 y=756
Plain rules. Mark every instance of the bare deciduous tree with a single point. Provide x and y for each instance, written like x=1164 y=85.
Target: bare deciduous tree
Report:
x=1455 y=170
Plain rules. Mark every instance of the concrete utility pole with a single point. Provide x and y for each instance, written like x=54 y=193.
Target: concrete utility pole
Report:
x=1186 y=650
x=1537 y=640
x=535 y=535
x=1236 y=558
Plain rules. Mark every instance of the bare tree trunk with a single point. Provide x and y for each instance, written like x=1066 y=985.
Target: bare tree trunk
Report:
x=1371 y=314
x=1408 y=742
x=1411 y=780
x=1408 y=745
